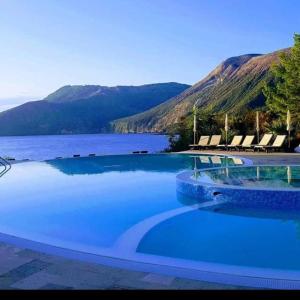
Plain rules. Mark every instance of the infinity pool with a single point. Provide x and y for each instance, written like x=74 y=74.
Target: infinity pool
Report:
x=127 y=207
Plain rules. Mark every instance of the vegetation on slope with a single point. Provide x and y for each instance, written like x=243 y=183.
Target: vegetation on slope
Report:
x=84 y=109
x=278 y=88
x=243 y=78
x=283 y=93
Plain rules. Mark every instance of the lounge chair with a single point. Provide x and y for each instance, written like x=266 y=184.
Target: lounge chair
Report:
x=263 y=142
x=247 y=142
x=203 y=142
x=236 y=141
x=277 y=144
x=214 y=141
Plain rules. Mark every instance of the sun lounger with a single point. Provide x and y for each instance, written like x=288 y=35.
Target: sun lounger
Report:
x=214 y=141
x=203 y=142
x=277 y=144
x=236 y=141
x=263 y=142
x=247 y=142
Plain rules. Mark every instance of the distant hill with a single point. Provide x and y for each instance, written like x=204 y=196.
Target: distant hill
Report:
x=242 y=80
x=84 y=109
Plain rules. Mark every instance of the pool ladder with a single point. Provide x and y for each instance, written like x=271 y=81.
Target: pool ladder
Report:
x=6 y=165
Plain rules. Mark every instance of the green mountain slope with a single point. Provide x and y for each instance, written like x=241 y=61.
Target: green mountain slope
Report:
x=240 y=88
x=84 y=109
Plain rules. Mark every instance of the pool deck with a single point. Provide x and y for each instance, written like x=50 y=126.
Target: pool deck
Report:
x=258 y=158
x=22 y=269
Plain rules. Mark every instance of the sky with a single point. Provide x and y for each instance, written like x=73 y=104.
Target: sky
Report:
x=51 y=43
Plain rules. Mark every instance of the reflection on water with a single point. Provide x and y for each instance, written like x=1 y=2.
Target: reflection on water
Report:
x=172 y=163
x=187 y=201
x=48 y=205
x=264 y=213
x=260 y=176
x=292 y=215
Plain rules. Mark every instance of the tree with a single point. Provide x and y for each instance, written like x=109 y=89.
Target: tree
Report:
x=283 y=92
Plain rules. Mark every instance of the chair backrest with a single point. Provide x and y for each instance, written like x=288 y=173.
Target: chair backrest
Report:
x=216 y=160
x=204 y=159
x=248 y=140
x=237 y=161
x=215 y=140
x=203 y=141
x=237 y=139
x=279 y=140
x=265 y=139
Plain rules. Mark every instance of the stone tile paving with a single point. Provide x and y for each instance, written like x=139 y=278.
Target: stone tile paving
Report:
x=26 y=269
x=157 y=278
x=51 y=286
x=21 y=272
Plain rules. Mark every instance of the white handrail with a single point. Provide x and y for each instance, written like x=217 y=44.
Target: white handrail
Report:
x=6 y=164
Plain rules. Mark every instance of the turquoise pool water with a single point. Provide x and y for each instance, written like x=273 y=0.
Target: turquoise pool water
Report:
x=275 y=177
x=88 y=202
x=229 y=236
x=127 y=207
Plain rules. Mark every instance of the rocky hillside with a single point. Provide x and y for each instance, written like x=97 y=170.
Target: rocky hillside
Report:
x=84 y=109
x=238 y=86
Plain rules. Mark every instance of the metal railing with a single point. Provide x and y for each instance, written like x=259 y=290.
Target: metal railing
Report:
x=6 y=165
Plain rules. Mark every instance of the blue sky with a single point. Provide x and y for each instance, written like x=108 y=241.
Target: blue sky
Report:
x=46 y=44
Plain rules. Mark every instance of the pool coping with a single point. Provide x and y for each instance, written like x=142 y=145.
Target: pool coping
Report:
x=157 y=264
x=222 y=154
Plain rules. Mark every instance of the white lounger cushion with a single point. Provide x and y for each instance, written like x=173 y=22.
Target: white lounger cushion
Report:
x=279 y=140
x=237 y=139
x=248 y=141
x=203 y=141
x=266 y=139
x=215 y=140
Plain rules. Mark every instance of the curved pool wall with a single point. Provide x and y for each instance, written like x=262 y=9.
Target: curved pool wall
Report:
x=209 y=272
x=73 y=178
x=251 y=197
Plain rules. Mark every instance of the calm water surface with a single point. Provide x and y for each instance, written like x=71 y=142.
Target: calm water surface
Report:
x=51 y=146
x=127 y=206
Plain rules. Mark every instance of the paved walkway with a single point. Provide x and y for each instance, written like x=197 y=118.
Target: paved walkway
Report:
x=257 y=157
x=26 y=269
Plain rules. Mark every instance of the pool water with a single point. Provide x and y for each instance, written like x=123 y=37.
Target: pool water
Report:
x=88 y=202
x=275 y=177
x=225 y=236
x=126 y=206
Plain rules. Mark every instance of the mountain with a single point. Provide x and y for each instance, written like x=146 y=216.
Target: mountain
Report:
x=238 y=86
x=84 y=109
